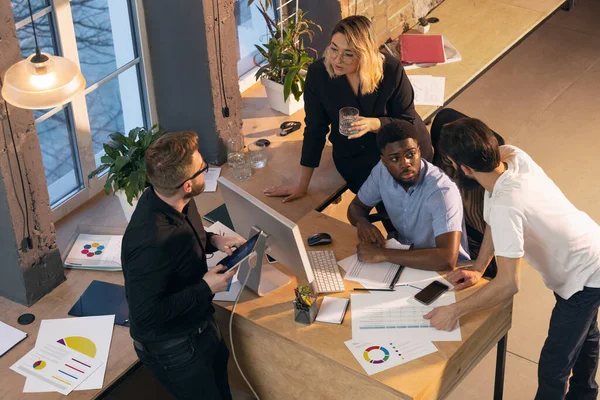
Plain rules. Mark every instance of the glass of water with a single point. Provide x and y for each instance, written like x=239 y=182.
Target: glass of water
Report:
x=237 y=160
x=258 y=154
x=347 y=116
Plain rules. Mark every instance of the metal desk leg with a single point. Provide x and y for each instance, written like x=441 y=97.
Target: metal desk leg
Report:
x=500 y=364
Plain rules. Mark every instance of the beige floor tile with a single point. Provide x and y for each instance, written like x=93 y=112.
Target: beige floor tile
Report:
x=529 y=79
x=583 y=18
x=564 y=140
x=520 y=381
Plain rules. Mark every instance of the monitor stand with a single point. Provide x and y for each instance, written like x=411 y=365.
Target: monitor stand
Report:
x=264 y=278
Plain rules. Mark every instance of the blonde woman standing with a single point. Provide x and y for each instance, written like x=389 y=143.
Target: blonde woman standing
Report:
x=352 y=73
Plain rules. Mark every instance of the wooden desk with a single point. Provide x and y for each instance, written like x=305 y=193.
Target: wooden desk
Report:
x=284 y=359
x=483 y=31
x=57 y=304
x=283 y=164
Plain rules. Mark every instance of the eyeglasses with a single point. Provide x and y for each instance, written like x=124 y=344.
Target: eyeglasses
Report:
x=347 y=58
x=203 y=169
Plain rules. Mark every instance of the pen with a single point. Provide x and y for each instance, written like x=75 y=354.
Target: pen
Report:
x=376 y=290
x=396 y=277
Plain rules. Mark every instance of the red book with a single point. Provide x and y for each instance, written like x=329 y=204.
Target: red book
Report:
x=422 y=49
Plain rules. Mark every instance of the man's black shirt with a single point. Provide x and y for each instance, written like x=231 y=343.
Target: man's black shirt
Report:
x=164 y=259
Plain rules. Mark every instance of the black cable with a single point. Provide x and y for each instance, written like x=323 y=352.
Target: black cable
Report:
x=218 y=48
x=12 y=136
x=38 y=53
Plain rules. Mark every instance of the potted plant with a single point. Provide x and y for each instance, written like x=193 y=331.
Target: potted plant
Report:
x=423 y=25
x=124 y=160
x=286 y=60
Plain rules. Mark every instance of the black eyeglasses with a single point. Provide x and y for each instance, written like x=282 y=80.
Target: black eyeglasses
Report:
x=203 y=169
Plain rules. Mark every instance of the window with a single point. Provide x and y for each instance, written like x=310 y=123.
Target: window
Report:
x=103 y=36
x=251 y=30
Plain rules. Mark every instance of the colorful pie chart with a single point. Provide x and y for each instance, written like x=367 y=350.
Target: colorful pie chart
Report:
x=376 y=355
x=39 y=364
x=80 y=344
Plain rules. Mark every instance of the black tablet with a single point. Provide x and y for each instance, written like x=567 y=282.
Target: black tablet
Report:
x=239 y=254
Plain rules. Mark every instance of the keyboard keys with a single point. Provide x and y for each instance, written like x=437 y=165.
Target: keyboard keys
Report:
x=326 y=271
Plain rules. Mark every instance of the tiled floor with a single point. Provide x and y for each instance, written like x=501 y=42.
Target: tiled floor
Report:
x=544 y=98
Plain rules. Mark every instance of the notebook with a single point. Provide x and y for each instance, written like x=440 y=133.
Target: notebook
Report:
x=103 y=298
x=9 y=337
x=332 y=310
x=97 y=252
x=422 y=49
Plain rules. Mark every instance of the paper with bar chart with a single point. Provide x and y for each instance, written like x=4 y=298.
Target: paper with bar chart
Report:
x=375 y=357
x=88 y=336
x=58 y=366
x=397 y=315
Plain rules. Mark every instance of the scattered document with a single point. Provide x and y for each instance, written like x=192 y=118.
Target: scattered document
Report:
x=429 y=90
x=9 y=337
x=378 y=356
x=57 y=366
x=89 y=336
x=332 y=310
x=210 y=179
x=372 y=275
x=397 y=315
x=235 y=285
x=95 y=252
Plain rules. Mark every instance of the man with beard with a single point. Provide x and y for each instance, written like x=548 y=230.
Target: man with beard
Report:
x=168 y=285
x=423 y=204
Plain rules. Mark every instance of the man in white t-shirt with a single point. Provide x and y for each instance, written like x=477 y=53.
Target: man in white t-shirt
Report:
x=529 y=218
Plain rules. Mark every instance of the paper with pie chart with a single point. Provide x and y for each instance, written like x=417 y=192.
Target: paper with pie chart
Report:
x=57 y=365
x=88 y=336
x=377 y=357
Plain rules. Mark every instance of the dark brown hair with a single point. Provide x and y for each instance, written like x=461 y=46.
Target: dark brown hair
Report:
x=470 y=142
x=169 y=160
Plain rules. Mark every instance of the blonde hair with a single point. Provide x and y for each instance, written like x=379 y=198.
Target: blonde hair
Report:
x=169 y=160
x=360 y=36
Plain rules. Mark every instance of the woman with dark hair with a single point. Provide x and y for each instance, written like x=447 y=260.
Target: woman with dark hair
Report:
x=472 y=195
x=352 y=73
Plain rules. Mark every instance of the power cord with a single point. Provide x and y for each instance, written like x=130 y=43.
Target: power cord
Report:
x=237 y=299
x=27 y=242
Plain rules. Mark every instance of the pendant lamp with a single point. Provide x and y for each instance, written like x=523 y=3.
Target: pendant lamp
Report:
x=42 y=80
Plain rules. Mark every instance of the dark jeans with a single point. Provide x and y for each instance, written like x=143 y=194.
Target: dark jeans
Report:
x=194 y=369
x=572 y=345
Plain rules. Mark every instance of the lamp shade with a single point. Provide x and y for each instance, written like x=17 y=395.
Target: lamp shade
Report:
x=42 y=81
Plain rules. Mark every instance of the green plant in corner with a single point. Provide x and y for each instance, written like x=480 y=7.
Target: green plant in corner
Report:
x=286 y=57
x=124 y=160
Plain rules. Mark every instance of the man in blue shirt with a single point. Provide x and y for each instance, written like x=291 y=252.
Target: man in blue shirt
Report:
x=423 y=204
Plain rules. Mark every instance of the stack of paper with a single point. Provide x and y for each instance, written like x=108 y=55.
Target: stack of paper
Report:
x=98 y=252
x=9 y=337
x=332 y=310
x=389 y=328
x=69 y=354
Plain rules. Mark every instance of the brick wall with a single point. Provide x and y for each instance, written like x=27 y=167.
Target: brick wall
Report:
x=391 y=17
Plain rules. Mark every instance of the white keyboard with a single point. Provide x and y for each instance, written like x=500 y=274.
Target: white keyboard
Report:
x=326 y=271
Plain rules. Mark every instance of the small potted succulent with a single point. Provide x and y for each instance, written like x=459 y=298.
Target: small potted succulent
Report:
x=423 y=25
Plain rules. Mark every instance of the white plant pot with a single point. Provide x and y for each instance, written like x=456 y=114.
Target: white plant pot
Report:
x=275 y=98
x=423 y=29
x=127 y=208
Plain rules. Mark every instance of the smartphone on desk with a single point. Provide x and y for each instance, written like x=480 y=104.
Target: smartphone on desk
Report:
x=239 y=254
x=431 y=293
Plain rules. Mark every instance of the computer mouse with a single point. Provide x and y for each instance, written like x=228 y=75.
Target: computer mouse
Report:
x=319 y=239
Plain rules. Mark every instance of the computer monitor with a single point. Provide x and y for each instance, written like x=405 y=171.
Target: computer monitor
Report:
x=281 y=239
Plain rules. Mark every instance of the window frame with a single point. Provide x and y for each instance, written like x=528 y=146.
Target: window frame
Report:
x=59 y=11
